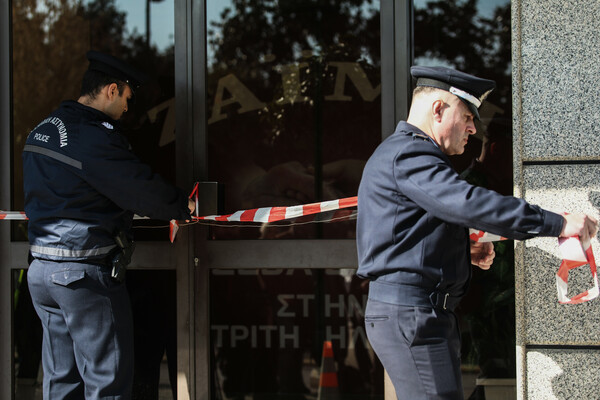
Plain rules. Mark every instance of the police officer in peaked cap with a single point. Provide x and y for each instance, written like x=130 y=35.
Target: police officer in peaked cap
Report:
x=82 y=187
x=414 y=212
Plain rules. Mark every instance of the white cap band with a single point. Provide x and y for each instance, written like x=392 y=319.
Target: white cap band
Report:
x=464 y=95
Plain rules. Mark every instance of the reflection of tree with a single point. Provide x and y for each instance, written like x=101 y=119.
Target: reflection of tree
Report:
x=288 y=54
x=257 y=36
x=46 y=45
x=451 y=31
x=253 y=30
x=49 y=44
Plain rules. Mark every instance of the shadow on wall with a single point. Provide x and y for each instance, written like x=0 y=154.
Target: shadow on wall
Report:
x=595 y=199
x=559 y=373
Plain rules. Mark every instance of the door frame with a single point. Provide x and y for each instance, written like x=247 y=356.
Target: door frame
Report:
x=6 y=325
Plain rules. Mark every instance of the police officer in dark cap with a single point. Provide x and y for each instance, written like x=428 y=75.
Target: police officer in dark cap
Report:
x=82 y=187
x=414 y=212
x=111 y=66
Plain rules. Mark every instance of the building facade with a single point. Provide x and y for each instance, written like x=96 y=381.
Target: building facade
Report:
x=556 y=158
x=279 y=103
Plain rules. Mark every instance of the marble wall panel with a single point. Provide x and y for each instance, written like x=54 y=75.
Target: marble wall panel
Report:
x=561 y=374
x=556 y=45
x=542 y=320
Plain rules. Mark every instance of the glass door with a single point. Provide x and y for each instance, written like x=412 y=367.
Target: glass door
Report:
x=293 y=111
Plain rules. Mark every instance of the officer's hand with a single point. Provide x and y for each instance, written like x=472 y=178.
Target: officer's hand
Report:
x=581 y=225
x=482 y=254
x=192 y=207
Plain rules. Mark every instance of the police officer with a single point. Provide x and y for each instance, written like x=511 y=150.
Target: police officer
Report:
x=82 y=187
x=412 y=234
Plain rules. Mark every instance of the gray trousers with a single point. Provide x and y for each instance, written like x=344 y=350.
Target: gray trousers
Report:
x=87 y=347
x=419 y=347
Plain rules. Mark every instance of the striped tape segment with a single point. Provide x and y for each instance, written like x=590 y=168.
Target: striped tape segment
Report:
x=574 y=252
x=274 y=214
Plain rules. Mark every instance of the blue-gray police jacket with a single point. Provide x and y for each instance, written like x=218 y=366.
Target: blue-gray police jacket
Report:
x=83 y=185
x=414 y=212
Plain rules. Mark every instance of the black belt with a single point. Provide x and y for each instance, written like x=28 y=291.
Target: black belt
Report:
x=413 y=296
x=101 y=262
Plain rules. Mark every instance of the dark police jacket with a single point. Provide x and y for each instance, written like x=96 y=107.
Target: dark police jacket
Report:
x=83 y=184
x=414 y=212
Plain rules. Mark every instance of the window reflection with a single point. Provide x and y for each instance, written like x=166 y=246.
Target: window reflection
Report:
x=270 y=332
x=294 y=105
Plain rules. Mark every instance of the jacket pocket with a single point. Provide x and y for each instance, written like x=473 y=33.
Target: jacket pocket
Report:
x=67 y=277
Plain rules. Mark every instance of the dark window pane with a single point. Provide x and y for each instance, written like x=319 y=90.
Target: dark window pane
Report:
x=270 y=329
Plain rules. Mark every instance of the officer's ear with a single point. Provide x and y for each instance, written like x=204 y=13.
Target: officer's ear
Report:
x=112 y=91
x=437 y=109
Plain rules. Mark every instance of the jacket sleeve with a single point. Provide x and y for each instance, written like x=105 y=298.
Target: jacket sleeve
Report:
x=113 y=170
x=426 y=177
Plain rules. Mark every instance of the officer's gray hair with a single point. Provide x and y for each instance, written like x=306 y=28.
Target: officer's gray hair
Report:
x=419 y=90
x=422 y=91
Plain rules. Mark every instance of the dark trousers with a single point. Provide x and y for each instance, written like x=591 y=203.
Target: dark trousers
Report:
x=87 y=347
x=419 y=347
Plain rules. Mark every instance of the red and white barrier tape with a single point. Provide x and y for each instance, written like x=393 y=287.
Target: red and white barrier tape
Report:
x=13 y=215
x=481 y=236
x=574 y=253
x=274 y=214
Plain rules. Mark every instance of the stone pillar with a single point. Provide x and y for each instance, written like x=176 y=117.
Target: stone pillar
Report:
x=556 y=131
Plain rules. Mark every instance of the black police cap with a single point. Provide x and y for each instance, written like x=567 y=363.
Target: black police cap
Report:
x=470 y=89
x=115 y=68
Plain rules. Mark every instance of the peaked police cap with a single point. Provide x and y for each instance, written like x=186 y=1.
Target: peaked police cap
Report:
x=469 y=88
x=115 y=68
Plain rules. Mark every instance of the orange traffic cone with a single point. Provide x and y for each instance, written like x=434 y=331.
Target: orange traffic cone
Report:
x=328 y=382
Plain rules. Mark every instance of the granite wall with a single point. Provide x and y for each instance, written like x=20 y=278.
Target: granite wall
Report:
x=556 y=131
